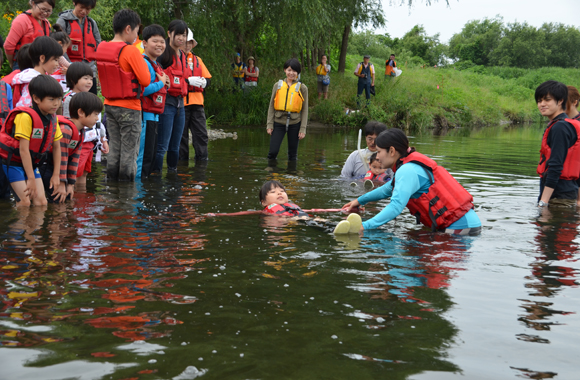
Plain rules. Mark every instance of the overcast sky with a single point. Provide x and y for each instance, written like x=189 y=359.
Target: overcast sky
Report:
x=448 y=20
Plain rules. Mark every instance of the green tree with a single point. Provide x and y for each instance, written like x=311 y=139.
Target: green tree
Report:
x=522 y=45
x=564 y=44
x=477 y=40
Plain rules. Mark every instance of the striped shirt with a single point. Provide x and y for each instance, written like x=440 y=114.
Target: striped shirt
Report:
x=70 y=152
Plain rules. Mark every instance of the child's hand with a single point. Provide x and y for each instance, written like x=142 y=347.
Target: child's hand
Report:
x=59 y=192
x=30 y=190
x=105 y=147
x=361 y=232
x=63 y=70
x=54 y=183
x=70 y=190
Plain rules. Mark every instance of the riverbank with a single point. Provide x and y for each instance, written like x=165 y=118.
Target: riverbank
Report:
x=421 y=98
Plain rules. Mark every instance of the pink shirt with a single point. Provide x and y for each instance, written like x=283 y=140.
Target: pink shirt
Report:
x=20 y=27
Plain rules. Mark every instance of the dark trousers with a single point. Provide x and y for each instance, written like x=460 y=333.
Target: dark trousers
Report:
x=363 y=86
x=194 y=122
x=277 y=137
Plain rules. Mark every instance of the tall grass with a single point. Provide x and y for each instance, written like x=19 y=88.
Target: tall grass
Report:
x=419 y=99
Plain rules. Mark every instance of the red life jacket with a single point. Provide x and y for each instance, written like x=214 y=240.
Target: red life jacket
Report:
x=4 y=105
x=116 y=83
x=38 y=31
x=571 y=170
x=77 y=136
x=40 y=140
x=251 y=79
x=374 y=177
x=193 y=61
x=176 y=72
x=83 y=44
x=287 y=209
x=445 y=202
x=154 y=103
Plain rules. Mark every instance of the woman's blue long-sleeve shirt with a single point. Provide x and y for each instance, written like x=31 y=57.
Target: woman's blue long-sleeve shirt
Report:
x=412 y=181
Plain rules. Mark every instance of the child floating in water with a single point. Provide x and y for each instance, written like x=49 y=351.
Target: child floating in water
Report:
x=274 y=198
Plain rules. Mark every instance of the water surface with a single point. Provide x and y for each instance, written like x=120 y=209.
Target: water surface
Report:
x=133 y=281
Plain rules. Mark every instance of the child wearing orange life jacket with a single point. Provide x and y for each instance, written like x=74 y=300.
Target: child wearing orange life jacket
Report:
x=559 y=166
x=123 y=74
x=152 y=99
x=275 y=201
x=25 y=141
x=44 y=54
x=85 y=109
x=172 y=120
x=79 y=77
x=376 y=172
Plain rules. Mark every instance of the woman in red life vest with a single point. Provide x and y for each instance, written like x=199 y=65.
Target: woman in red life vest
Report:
x=26 y=27
x=172 y=120
x=251 y=73
x=430 y=193
x=572 y=103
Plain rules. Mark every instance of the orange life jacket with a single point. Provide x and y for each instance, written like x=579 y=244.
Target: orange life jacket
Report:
x=83 y=44
x=154 y=103
x=445 y=202
x=177 y=76
x=40 y=140
x=116 y=83
x=571 y=170
x=38 y=31
x=287 y=209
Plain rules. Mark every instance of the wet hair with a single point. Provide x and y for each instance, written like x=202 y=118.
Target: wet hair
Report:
x=573 y=97
x=76 y=71
x=44 y=86
x=59 y=35
x=86 y=101
x=123 y=18
x=374 y=127
x=176 y=27
x=373 y=158
x=395 y=138
x=153 y=30
x=44 y=46
x=23 y=58
x=87 y=3
x=269 y=185
x=294 y=64
x=37 y=2
x=556 y=90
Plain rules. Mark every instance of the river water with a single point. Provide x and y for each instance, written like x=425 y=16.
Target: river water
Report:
x=133 y=281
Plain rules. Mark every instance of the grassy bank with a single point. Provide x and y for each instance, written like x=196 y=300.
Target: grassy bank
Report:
x=421 y=98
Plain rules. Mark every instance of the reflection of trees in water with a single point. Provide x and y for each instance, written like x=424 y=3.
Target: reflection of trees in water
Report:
x=406 y=280
x=92 y=263
x=557 y=246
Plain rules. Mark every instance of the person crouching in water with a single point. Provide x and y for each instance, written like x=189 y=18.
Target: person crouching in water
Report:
x=559 y=165
x=428 y=190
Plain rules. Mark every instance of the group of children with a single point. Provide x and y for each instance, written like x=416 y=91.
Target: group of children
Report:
x=140 y=90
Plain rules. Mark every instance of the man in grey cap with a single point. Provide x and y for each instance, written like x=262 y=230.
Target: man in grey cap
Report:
x=365 y=71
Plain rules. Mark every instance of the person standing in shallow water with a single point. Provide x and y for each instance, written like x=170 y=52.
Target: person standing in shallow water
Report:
x=559 y=166
x=288 y=111
x=430 y=193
